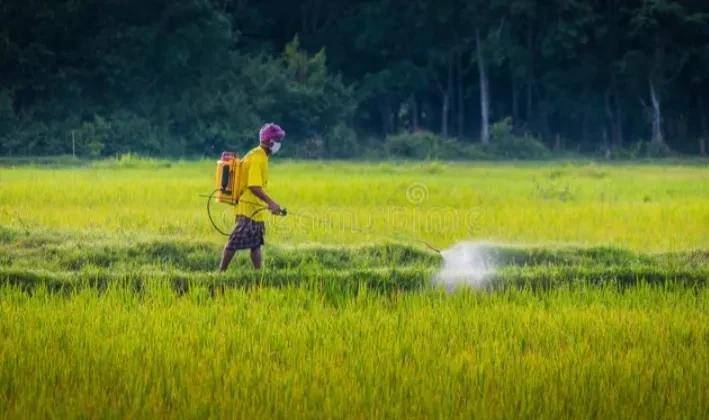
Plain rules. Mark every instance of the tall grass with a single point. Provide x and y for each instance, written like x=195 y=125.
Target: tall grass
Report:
x=110 y=305
x=588 y=352
x=649 y=207
x=66 y=261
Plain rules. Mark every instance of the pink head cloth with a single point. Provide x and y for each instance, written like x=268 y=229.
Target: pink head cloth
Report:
x=271 y=131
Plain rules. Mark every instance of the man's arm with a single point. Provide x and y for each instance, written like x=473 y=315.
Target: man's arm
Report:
x=273 y=207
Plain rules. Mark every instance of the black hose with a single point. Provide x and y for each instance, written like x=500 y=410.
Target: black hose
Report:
x=285 y=212
x=211 y=219
x=209 y=213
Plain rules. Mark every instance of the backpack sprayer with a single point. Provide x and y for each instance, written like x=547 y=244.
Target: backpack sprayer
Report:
x=228 y=191
x=227 y=179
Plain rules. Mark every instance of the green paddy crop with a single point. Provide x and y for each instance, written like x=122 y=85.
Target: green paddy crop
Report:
x=264 y=352
x=598 y=305
x=642 y=207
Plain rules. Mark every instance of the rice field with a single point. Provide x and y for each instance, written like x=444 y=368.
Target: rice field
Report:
x=110 y=304
x=644 y=207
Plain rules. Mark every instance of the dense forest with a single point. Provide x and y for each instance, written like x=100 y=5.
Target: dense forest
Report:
x=348 y=78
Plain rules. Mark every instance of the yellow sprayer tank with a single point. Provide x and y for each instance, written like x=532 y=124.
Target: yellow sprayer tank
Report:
x=226 y=179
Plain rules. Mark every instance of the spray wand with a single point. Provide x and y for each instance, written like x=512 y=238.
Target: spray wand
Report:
x=285 y=212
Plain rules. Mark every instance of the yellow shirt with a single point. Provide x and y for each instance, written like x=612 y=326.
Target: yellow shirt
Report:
x=253 y=172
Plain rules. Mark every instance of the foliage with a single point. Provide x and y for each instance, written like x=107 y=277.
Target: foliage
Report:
x=655 y=150
x=641 y=150
x=423 y=145
x=312 y=102
x=197 y=76
x=504 y=144
x=342 y=142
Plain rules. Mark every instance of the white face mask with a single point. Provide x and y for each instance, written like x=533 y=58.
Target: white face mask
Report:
x=275 y=147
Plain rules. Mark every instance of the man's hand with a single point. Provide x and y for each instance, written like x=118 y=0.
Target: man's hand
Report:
x=274 y=208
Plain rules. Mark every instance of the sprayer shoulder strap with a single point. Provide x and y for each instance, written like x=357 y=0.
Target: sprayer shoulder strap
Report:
x=236 y=194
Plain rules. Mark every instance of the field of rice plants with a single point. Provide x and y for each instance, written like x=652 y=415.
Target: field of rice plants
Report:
x=597 y=307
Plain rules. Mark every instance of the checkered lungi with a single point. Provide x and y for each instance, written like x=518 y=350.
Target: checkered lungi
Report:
x=247 y=234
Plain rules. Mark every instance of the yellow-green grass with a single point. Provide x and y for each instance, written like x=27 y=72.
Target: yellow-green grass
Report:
x=287 y=353
x=110 y=305
x=645 y=207
x=69 y=261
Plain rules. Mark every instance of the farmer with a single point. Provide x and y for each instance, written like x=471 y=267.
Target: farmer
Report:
x=250 y=214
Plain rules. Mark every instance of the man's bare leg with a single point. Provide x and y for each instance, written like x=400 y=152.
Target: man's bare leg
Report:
x=226 y=259
x=256 y=257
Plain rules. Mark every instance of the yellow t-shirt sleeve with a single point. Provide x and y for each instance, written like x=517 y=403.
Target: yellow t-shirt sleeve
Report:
x=255 y=175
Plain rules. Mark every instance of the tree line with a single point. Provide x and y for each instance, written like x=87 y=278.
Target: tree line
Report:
x=192 y=77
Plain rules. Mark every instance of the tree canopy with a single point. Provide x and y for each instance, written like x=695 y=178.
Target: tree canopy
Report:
x=191 y=77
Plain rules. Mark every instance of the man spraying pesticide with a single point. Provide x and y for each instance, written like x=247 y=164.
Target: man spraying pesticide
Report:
x=252 y=197
x=242 y=183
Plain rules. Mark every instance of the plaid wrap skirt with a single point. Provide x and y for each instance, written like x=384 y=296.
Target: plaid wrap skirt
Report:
x=247 y=234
